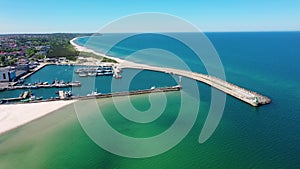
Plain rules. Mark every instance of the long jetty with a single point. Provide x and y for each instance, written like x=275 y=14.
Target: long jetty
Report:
x=99 y=96
x=248 y=96
x=129 y=93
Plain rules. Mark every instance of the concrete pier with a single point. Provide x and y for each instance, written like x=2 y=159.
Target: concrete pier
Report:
x=35 y=70
x=99 y=96
x=250 y=97
x=37 y=86
x=129 y=93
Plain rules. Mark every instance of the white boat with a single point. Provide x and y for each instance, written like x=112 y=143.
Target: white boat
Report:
x=82 y=74
x=93 y=93
x=92 y=74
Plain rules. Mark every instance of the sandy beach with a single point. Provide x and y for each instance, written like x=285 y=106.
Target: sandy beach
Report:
x=16 y=115
x=121 y=62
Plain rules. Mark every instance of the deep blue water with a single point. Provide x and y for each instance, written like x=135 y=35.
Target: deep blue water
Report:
x=247 y=137
x=266 y=62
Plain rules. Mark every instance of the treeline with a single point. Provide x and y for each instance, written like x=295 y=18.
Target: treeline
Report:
x=92 y=55
x=61 y=46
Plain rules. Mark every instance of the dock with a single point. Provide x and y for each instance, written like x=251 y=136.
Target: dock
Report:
x=247 y=96
x=24 y=95
x=37 y=86
x=62 y=95
x=35 y=70
x=129 y=93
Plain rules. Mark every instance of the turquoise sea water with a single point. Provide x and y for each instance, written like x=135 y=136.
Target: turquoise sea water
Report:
x=247 y=137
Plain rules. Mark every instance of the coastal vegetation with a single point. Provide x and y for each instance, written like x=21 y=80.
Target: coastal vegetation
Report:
x=93 y=55
x=36 y=46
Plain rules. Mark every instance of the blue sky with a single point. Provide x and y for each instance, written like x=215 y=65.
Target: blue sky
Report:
x=28 y=16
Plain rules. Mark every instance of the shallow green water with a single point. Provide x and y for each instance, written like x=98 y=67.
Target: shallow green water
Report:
x=58 y=141
x=247 y=137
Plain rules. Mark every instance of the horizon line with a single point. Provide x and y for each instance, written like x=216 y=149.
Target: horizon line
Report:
x=48 y=33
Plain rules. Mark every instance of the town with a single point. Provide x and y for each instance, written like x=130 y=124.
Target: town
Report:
x=22 y=53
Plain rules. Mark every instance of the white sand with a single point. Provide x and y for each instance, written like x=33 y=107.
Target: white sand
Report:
x=16 y=115
x=121 y=62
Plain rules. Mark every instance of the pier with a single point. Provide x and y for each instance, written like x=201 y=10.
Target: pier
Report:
x=62 y=96
x=43 y=85
x=35 y=70
x=129 y=93
x=247 y=96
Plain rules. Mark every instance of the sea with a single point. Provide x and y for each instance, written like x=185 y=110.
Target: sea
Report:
x=246 y=137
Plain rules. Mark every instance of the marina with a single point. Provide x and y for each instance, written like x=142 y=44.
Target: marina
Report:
x=28 y=97
x=56 y=84
x=95 y=71
x=247 y=96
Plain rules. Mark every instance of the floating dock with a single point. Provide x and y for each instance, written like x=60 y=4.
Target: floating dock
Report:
x=37 y=86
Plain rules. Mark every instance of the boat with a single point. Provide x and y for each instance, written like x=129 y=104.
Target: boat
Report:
x=93 y=93
x=99 y=71
x=68 y=93
x=25 y=100
x=33 y=87
x=117 y=76
x=3 y=101
x=74 y=84
x=92 y=74
x=2 y=89
x=39 y=98
x=108 y=72
x=82 y=74
x=21 y=81
x=78 y=71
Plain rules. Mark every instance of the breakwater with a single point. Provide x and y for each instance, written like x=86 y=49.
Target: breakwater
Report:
x=107 y=95
x=129 y=93
x=245 y=95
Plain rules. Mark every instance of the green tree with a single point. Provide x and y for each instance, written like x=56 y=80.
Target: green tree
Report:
x=30 y=51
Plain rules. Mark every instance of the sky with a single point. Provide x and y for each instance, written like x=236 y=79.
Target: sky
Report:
x=49 y=16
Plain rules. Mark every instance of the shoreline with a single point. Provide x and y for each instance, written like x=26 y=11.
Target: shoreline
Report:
x=250 y=97
x=13 y=116
x=121 y=62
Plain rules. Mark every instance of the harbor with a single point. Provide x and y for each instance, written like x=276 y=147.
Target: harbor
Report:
x=28 y=97
x=55 y=84
x=250 y=97
x=95 y=71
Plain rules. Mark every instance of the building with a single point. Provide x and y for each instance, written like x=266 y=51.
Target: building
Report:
x=7 y=75
x=23 y=67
